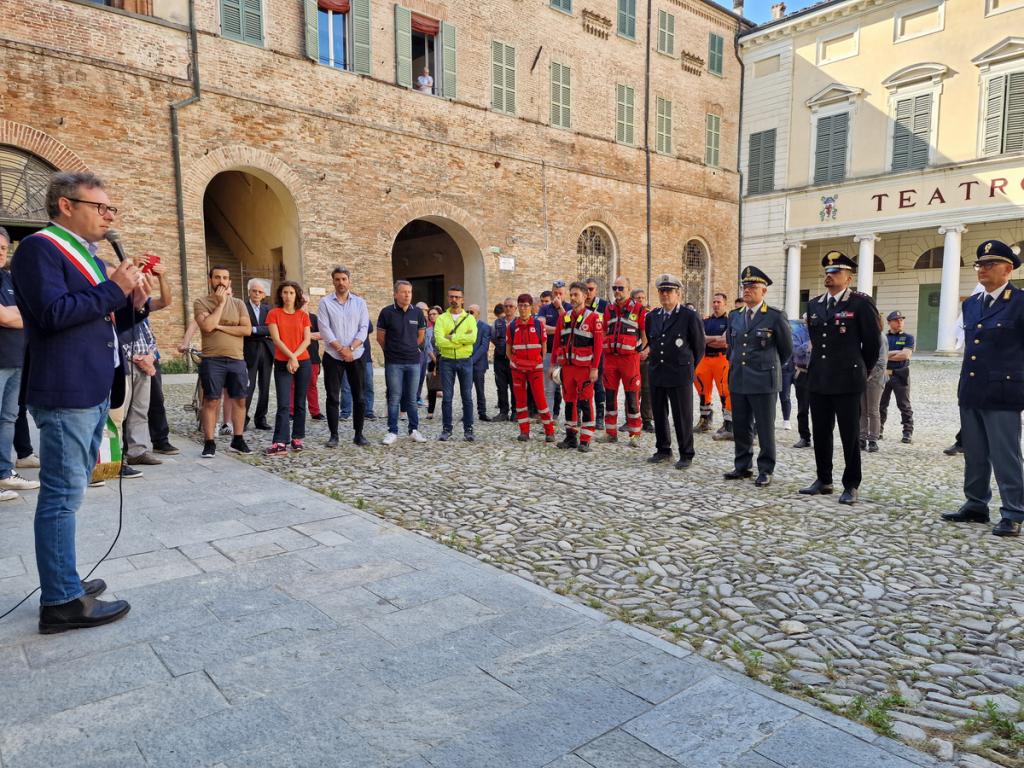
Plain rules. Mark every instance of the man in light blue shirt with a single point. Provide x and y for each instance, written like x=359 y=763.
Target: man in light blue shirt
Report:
x=344 y=324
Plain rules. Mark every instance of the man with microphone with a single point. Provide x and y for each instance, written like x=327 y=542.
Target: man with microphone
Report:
x=73 y=373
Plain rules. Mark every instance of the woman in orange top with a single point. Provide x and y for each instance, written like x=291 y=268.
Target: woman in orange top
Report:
x=290 y=330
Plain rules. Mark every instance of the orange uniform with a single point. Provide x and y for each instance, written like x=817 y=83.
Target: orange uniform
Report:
x=713 y=371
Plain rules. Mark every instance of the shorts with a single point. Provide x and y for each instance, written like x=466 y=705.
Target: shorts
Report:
x=218 y=373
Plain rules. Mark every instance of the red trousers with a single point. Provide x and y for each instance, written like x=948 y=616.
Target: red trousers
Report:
x=624 y=369
x=578 y=394
x=713 y=372
x=312 y=395
x=533 y=381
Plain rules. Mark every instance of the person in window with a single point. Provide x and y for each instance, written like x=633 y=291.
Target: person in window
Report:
x=290 y=328
x=425 y=83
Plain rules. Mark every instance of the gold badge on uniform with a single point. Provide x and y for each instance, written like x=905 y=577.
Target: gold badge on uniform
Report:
x=1006 y=294
x=988 y=246
x=632 y=316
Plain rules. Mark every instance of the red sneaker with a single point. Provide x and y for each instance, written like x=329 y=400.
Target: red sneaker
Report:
x=277 y=449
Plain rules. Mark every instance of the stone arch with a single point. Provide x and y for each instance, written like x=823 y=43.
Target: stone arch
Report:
x=610 y=223
x=40 y=144
x=696 y=276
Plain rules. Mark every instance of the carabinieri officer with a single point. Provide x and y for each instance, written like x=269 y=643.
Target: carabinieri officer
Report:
x=760 y=342
x=991 y=392
x=845 y=344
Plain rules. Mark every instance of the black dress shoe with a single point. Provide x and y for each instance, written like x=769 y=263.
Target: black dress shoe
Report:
x=483 y=417
x=332 y=442
x=817 y=487
x=953 y=450
x=83 y=613
x=648 y=427
x=263 y=425
x=872 y=446
x=738 y=474
x=863 y=444
x=659 y=457
x=763 y=480
x=360 y=441
x=848 y=496
x=1006 y=527
x=801 y=443
x=683 y=463
x=94 y=588
x=966 y=516
x=907 y=438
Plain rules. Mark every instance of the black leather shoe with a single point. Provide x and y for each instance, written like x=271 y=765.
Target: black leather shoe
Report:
x=801 y=443
x=738 y=474
x=872 y=446
x=659 y=457
x=83 y=613
x=569 y=443
x=863 y=444
x=94 y=588
x=501 y=417
x=683 y=463
x=523 y=438
x=953 y=450
x=483 y=417
x=817 y=487
x=648 y=427
x=763 y=480
x=966 y=516
x=360 y=441
x=332 y=442
x=263 y=425
x=1006 y=527
x=907 y=438
x=848 y=496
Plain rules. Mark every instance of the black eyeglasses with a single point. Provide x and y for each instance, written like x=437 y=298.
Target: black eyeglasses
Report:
x=101 y=208
x=454 y=296
x=618 y=287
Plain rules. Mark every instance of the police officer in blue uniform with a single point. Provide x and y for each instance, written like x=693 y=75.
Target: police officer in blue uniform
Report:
x=760 y=342
x=991 y=392
x=897 y=375
x=845 y=344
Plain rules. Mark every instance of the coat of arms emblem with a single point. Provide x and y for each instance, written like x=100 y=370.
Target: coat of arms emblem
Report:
x=829 y=210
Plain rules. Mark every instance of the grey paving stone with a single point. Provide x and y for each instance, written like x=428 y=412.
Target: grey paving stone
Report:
x=328 y=581
x=333 y=694
x=314 y=743
x=244 y=602
x=73 y=683
x=753 y=760
x=543 y=731
x=569 y=761
x=418 y=587
x=199 y=533
x=11 y=566
x=533 y=623
x=428 y=620
x=252 y=546
x=297 y=514
x=12 y=661
x=710 y=724
x=653 y=675
x=617 y=748
x=807 y=743
x=351 y=603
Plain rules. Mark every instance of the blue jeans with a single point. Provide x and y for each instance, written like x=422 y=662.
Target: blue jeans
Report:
x=402 y=383
x=69 y=443
x=10 y=384
x=346 y=393
x=463 y=369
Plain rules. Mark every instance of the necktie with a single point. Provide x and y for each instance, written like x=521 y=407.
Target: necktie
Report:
x=750 y=317
x=831 y=303
x=989 y=301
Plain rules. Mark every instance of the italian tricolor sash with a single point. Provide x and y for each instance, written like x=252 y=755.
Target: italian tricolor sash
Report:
x=74 y=252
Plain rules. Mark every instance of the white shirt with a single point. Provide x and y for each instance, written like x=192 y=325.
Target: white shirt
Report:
x=995 y=294
x=425 y=84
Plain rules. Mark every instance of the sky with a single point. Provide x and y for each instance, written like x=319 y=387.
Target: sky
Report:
x=760 y=11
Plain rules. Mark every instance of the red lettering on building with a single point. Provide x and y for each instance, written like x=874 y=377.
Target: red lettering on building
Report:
x=878 y=199
x=997 y=185
x=967 y=186
x=936 y=195
x=905 y=201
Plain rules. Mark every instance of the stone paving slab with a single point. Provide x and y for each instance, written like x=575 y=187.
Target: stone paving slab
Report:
x=338 y=639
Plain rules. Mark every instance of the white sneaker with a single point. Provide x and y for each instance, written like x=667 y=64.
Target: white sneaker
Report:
x=390 y=438
x=417 y=437
x=18 y=483
x=29 y=462
x=786 y=424
x=8 y=495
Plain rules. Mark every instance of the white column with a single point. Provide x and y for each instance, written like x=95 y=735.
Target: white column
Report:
x=793 y=256
x=865 y=262
x=949 y=294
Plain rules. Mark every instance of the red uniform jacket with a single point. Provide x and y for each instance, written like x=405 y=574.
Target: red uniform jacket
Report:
x=579 y=339
x=526 y=340
x=623 y=327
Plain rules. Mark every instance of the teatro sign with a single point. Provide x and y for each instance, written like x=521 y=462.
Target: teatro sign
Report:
x=931 y=192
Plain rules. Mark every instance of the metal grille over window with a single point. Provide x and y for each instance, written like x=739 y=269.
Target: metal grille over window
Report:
x=594 y=256
x=695 y=274
x=23 y=182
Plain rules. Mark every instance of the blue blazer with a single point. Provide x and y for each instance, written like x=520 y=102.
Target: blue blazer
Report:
x=483 y=343
x=69 y=355
x=992 y=374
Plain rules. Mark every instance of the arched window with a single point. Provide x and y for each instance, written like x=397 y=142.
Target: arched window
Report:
x=23 y=182
x=932 y=259
x=595 y=256
x=695 y=274
x=879 y=265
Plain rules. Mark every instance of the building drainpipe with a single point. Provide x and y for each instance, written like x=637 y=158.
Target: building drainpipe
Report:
x=739 y=166
x=647 y=147
x=176 y=152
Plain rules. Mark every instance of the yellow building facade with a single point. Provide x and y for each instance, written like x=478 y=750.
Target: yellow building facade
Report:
x=892 y=131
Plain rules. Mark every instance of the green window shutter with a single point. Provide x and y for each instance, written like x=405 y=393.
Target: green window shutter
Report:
x=252 y=21
x=561 y=95
x=360 y=10
x=624 y=99
x=312 y=29
x=837 y=153
x=448 y=61
x=670 y=34
x=231 y=18
x=663 y=127
x=503 y=77
x=754 y=163
x=761 y=162
x=403 y=46
x=994 y=105
x=712 y=133
x=901 y=134
x=562 y=5
x=510 y=79
x=662 y=24
x=921 y=130
x=716 y=50
x=822 y=147
x=1014 y=132
x=626 y=20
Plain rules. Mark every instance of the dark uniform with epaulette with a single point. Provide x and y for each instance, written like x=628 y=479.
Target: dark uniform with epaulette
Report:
x=845 y=343
x=676 y=341
x=759 y=343
x=991 y=398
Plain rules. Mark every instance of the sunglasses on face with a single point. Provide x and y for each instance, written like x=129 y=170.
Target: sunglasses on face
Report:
x=618 y=287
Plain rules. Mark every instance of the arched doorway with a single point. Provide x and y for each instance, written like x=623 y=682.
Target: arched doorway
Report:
x=251 y=227
x=695 y=275
x=595 y=256
x=24 y=179
x=434 y=253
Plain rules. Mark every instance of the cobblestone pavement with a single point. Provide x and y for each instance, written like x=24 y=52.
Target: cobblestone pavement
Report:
x=880 y=612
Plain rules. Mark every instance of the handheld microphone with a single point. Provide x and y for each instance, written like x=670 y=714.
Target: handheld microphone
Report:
x=114 y=238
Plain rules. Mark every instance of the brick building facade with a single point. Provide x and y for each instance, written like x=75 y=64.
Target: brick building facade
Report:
x=306 y=150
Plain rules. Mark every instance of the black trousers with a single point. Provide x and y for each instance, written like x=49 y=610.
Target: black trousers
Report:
x=749 y=411
x=599 y=394
x=680 y=400
x=479 y=385
x=826 y=412
x=22 y=437
x=261 y=367
x=159 y=430
x=503 y=380
x=899 y=385
x=646 y=412
x=334 y=369
x=803 y=405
